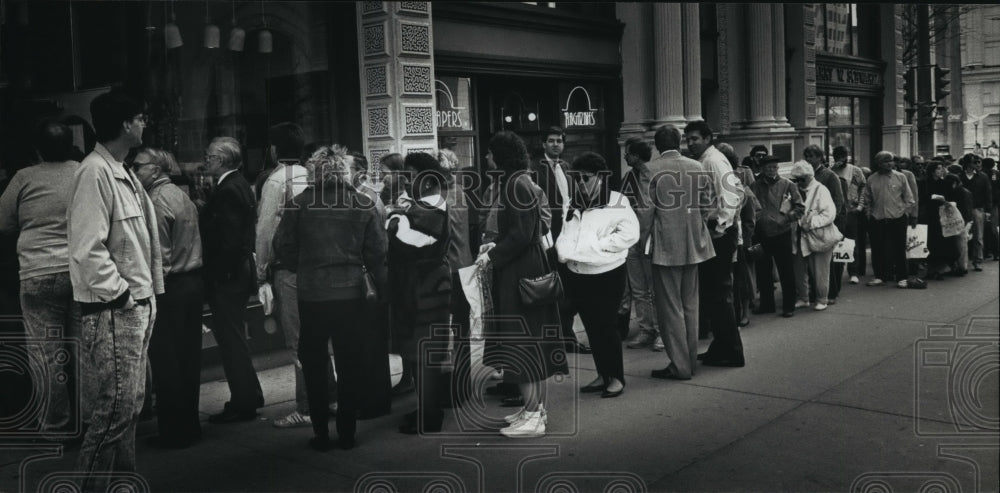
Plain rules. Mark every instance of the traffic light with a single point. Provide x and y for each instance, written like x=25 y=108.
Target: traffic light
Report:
x=910 y=86
x=941 y=82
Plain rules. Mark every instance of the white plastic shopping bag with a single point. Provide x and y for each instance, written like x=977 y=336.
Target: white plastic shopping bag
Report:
x=844 y=251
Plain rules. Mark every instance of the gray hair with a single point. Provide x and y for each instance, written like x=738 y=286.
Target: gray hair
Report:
x=802 y=169
x=448 y=159
x=162 y=159
x=230 y=150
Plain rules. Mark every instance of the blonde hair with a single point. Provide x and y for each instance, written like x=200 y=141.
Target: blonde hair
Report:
x=329 y=165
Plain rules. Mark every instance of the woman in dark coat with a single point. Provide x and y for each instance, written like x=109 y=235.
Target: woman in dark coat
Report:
x=420 y=286
x=521 y=339
x=941 y=251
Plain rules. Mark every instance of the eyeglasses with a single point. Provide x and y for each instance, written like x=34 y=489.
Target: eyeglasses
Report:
x=584 y=178
x=212 y=157
x=142 y=118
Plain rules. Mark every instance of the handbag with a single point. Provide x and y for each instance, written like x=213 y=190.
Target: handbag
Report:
x=824 y=238
x=545 y=289
x=368 y=290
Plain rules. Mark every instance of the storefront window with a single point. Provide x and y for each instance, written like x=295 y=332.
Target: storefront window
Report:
x=454 y=117
x=837 y=28
x=847 y=121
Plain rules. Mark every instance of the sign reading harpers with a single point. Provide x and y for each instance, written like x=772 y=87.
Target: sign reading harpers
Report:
x=453 y=101
x=581 y=106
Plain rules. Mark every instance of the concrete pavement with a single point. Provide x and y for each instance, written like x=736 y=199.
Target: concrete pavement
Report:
x=853 y=398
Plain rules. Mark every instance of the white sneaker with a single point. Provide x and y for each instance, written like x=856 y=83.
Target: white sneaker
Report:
x=293 y=420
x=820 y=307
x=801 y=304
x=514 y=418
x=875 y=282
x=855 y=280
x=658 y=345
x=531 y=425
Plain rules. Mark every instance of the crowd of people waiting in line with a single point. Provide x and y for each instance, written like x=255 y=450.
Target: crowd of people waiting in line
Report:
x=115 y=254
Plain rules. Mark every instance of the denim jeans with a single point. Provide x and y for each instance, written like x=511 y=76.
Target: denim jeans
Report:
x=51 y=315
x=976 y=243
x=286 y=307
x=113 y=346
x=640 y=287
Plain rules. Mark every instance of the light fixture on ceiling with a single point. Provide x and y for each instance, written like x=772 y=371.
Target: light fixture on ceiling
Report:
x=265 y=42
x=211 y=30
x=171 y=33
x=237 y=36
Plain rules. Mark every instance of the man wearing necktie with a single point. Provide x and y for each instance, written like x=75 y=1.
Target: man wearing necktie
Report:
x=549 y=173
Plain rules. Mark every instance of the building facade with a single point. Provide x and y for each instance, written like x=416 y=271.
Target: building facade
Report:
x=980 y=72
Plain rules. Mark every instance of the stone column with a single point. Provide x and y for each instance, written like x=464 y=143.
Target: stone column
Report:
x=692 y=62
x=778 y=41
x=396 y=55
x=637 y=67
x=760 y=64
x=668 y=55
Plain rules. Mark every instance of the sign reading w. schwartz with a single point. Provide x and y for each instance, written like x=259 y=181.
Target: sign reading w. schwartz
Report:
x=848 y=75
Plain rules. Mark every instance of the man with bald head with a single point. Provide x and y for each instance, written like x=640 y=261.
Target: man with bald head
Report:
x=886 y=200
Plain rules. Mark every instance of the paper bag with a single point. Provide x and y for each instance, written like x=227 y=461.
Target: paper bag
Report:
x=916 y=241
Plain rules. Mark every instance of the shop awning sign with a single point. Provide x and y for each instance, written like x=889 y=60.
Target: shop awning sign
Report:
x=579 y=110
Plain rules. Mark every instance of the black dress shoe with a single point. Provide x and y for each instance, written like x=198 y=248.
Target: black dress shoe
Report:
x=788 y=314
x=667 y=374
x=702 y=356
x=725 y=362
x=517 y=401
x=607 y=394
x=345 y=443
x=590 y=389
x=160 y=442
x=230 y=415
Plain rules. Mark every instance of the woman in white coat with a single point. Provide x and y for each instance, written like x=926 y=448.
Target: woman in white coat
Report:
x=593 y=246
x=820 y=212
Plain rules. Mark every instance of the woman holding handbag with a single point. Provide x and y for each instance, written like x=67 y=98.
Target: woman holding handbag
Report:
x=523 y=336
x=420 y=286
x=331 y=235
x=593 y=247
x=816 y=239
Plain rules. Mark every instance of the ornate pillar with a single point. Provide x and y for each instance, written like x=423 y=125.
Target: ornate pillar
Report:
x=761 y=66
x=668 y=54
x=396 y=54
x=691 y=28
x=778 y=41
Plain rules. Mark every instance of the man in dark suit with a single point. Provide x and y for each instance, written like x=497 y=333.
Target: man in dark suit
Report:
x=228 y=234
x=549 y=172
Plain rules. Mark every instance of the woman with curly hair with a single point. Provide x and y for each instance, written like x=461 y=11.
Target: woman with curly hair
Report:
x=330 y=234
x=524 y=340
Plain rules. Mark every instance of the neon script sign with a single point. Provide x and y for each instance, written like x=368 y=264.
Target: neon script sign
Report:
x=586 y=117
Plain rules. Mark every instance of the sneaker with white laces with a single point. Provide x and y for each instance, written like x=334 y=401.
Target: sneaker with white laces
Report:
x=530 y=425
x=820 y=307
x=514 y=418
x=801 y=304
x=855 y=280
x=876 y=282
x=658 y=345
x=293 y=420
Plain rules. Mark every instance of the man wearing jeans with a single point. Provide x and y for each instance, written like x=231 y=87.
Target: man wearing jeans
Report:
x=976 y=182
x=639 y=267
x=288 y=179
x=116 y=272
x=886 y=200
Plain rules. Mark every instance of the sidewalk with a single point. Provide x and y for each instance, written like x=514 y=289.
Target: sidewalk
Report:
x=842 y=400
